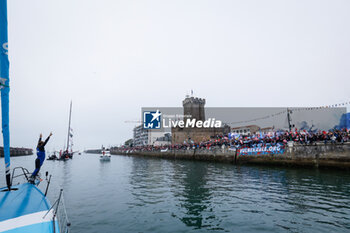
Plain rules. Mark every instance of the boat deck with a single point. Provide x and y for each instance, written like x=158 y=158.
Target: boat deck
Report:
x=25 y=209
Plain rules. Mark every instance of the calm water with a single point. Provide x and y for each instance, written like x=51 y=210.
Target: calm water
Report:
x=131 y=194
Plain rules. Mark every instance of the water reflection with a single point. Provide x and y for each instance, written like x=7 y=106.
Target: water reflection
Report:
x=193 y=193
x=136 y=194
x=147 y=181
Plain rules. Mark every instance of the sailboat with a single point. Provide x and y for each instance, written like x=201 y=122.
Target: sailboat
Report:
x=68 y=152
x=23 y=207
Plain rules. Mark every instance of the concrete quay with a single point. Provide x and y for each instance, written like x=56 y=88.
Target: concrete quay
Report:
x=319 y=155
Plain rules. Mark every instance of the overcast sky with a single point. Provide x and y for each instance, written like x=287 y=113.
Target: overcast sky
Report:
x=113 y=57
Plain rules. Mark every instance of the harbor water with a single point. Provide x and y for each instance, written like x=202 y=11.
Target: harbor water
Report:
x=138 y=194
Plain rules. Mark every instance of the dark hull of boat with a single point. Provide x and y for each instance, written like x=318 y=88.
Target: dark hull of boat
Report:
x=63 y=158
x=53 y=157
x=66 y=156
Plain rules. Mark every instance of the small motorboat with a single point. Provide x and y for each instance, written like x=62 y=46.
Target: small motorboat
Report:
x=106 y=155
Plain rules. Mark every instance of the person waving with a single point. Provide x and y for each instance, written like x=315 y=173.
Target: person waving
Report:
x=40 y=152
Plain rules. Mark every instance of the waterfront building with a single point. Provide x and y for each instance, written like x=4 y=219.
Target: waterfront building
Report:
x=193 y=108
x=267 y=130
x=251 y=129
x=153 y=136
x=163 y=141
x=140 y=136
x=143 y=137
x=245 y=130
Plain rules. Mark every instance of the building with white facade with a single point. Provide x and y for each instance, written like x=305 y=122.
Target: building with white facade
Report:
x=143 y=137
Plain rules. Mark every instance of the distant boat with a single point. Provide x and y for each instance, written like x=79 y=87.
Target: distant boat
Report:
x=106 y=155
x=63 y=156
x=24 y=208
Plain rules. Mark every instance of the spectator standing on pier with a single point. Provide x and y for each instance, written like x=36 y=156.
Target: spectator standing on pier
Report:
x=40 y=152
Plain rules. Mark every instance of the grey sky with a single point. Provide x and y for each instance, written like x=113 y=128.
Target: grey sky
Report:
x=114 y=57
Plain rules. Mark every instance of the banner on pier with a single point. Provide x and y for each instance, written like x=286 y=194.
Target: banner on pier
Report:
x=263 y=150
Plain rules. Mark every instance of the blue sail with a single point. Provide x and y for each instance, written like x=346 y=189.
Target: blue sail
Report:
x=24 y=208
x=5 y=89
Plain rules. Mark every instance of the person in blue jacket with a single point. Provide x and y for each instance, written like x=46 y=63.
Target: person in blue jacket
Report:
x=40 y=152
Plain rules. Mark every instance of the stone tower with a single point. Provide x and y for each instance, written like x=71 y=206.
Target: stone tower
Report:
x=195 y=107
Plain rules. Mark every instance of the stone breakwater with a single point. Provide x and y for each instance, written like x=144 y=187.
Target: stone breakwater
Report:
x=317 y=155
x=16 y=151
x=93 y=151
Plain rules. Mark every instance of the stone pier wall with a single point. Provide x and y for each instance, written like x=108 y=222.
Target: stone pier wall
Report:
x=93 y=151
x=319 y=155
x=14 y=151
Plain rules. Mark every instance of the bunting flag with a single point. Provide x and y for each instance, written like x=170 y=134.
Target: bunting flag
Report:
x=343 y=104
x=293 y=109
x=260 y=118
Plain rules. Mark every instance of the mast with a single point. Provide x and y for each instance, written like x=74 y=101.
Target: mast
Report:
x=288 y=118
x=5 y=89
x=70 y=115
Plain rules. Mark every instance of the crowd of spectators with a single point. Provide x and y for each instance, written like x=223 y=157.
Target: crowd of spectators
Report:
x=255 y=140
